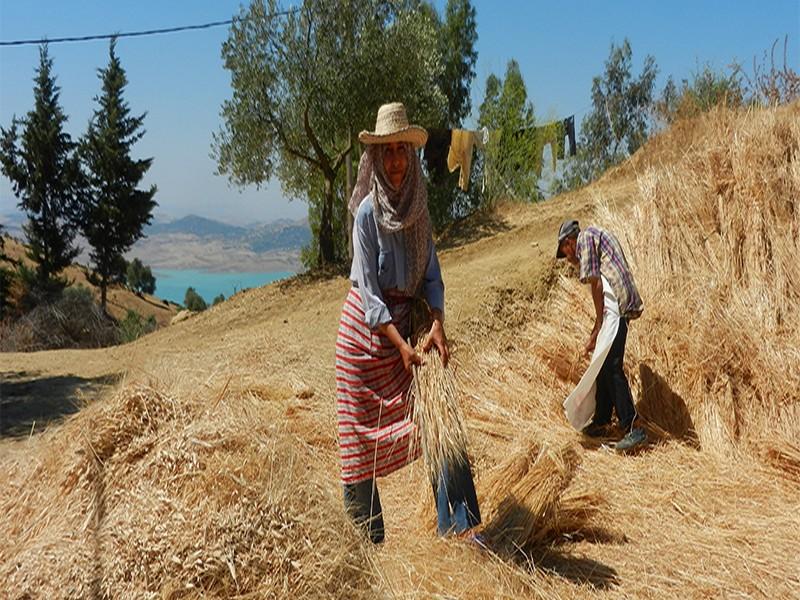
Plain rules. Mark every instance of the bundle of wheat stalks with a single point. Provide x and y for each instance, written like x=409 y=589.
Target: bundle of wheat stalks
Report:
x=437 y=416
x=527 y=491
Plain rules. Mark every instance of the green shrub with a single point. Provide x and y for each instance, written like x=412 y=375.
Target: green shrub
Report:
x=140 y=278
x=194 y=301
x=6 y=278
x=71 y=320
x=36 y=291
x=134 y=326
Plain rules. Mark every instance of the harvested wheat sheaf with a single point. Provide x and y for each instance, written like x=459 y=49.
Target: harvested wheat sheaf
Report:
x=526 y=494
x=437 y=416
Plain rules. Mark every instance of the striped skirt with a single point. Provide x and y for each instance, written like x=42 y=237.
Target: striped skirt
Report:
x=372 y=399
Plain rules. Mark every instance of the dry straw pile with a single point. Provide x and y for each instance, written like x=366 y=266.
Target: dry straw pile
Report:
x=152 y=495
x=713 y=240
x=709 y=509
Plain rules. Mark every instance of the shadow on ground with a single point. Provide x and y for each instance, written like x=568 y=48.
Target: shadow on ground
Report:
x=664 y=409
x=579 y=570
x=471 y=229
x=519 y=537
x=29 y=402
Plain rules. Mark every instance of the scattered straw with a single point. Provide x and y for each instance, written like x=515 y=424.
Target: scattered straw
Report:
x=784 y=457
x=152 y=496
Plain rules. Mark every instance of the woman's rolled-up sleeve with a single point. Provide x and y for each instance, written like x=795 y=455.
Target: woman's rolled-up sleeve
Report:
x=365 y=263
x=433 y=286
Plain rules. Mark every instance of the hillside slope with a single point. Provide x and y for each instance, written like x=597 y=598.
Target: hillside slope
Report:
x=183 y=479
x=120 y=300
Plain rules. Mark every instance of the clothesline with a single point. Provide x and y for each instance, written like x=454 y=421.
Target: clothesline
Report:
x=458 y=144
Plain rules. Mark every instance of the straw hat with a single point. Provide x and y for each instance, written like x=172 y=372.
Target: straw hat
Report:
x=392 y=126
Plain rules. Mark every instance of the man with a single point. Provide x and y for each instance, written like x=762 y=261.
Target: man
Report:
x=598 y=255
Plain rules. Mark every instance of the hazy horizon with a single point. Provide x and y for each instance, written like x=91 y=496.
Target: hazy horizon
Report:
x=8 y=208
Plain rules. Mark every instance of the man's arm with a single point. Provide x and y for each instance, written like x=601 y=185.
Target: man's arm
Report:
x=596 y=285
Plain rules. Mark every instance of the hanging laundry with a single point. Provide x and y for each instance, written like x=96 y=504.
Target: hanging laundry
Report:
x=482 y=138
x=460 y=155
x=552 y=134
x=436 y=150
x=569 y=130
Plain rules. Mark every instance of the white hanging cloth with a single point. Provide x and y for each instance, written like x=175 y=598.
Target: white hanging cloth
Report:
x=580 y=404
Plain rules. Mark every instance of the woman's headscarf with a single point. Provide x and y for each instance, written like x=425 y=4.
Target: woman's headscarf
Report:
x=404 y=209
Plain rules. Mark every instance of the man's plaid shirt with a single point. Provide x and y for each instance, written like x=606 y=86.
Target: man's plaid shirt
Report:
x=599 y=252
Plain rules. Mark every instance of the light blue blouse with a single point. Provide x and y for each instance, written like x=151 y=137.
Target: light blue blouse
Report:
x=379 y=263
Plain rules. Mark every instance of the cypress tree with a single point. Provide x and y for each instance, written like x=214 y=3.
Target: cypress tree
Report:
x=116 y=210
x=45 y=175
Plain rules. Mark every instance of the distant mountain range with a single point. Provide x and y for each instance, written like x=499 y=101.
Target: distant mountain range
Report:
x=283 y=234
x=194 y=242
x=194 y=225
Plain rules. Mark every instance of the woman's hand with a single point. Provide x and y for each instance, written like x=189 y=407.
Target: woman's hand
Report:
x=407 y=353
x=410 y=357
x=436 y=337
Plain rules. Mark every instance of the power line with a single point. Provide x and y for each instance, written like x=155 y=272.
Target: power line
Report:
x=108 y=36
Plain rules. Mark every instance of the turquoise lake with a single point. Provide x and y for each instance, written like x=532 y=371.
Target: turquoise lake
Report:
x=171 y=284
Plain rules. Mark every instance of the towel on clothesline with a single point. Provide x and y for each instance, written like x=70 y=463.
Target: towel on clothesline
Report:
x=460 y=155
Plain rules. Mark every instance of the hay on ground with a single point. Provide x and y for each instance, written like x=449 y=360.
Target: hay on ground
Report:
x=154 y=496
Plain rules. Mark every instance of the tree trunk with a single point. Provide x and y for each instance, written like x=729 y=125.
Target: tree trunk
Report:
x=327 y=250
x=347 y=193
x=103 y=289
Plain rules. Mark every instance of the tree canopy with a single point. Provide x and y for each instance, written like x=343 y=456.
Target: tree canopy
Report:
x=115 y=210
x=140 y=278
x=44 y=173
x=620 y=119
x=513 y=158
x=305 y=83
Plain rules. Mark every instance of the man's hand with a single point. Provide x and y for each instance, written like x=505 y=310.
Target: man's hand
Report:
x=410 y=357
x=436 y=337
x=588 y=347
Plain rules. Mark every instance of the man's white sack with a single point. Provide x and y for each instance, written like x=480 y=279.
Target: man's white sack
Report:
x=580 y=404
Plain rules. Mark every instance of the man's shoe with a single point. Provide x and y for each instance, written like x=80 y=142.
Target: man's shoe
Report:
x=635 y=437
x=595 y=430
x=476 y=539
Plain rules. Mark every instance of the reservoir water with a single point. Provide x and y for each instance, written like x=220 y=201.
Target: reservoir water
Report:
x=171 y=284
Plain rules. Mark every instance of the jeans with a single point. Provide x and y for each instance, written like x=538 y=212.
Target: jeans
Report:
x=363 y=504
x=456 y=503
x=613 y=391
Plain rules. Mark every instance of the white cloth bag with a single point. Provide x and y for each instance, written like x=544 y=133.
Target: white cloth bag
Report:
x=580 y=404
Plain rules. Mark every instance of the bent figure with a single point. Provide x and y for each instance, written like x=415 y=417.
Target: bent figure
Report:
x=602 y=264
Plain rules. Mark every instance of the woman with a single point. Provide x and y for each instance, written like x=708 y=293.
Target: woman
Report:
x=394 y=260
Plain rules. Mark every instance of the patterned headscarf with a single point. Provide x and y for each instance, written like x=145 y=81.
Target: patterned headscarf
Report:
x=405 y=209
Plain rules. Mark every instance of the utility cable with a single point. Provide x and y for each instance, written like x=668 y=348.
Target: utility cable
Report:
x=108 y=36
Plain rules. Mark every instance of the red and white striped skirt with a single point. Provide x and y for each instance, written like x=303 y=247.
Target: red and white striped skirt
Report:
x=372 y=399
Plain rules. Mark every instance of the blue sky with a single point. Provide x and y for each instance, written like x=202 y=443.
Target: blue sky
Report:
x=179 y=79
